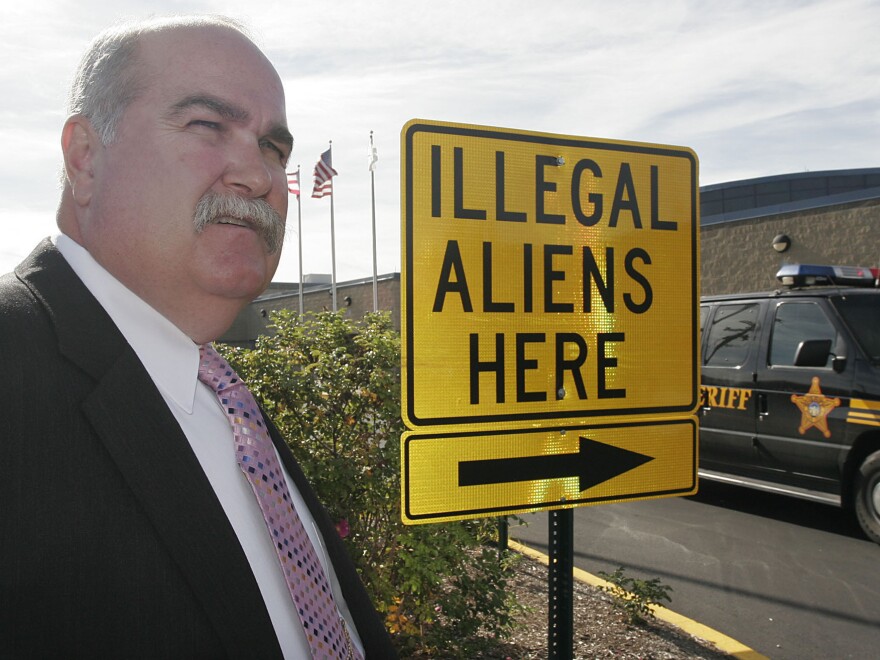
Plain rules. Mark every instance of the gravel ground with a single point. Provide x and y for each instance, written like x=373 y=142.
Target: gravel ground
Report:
x=601 y=631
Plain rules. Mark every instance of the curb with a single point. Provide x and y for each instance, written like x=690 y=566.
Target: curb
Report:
x=721 y=641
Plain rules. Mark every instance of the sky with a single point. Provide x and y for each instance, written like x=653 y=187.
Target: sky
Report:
x=755 y=88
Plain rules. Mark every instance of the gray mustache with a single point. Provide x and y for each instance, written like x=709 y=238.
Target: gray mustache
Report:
x=256 y=212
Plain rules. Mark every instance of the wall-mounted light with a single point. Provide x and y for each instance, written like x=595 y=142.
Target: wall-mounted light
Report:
x=781 y=243
x=347 y=301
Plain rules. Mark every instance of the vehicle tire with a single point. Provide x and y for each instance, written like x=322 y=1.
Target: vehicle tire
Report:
x=867 y=496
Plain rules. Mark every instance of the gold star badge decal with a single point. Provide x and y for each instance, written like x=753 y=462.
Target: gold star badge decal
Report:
x=814 y=407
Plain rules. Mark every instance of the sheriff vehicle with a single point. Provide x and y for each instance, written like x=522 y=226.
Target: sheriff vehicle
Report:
x=790 y=388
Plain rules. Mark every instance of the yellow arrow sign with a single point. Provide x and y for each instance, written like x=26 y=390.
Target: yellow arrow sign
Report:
x=548 y=282
x=452 y=476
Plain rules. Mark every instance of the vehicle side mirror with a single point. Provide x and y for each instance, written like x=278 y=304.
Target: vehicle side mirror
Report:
x=812 y=353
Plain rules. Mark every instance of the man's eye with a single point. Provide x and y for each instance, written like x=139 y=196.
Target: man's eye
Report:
x=268 y=144
x=205 y=122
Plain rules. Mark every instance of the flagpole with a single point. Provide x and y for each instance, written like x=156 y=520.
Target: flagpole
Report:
x=299 y=236
x=373 y=195
x=332 y=238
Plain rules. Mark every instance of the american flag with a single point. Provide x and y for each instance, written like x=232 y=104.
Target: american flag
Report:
x=324 y=174
x=293 y=182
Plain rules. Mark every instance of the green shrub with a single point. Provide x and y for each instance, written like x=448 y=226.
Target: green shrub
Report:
x=332 y=386
x=635 y=597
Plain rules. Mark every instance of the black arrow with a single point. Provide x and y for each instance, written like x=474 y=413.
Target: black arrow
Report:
x=594 y=463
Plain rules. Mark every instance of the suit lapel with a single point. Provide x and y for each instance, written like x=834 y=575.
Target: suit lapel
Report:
x=150 y=450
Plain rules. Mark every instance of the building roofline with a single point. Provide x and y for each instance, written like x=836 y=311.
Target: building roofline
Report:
x=792 y=177
x=837 y=187
x=277 y=294
x=841 y=199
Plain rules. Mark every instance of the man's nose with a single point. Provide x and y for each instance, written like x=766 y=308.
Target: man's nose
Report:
x=247 y=172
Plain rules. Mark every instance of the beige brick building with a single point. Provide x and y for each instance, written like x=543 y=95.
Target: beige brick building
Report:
x=829 y=218
x=355 y=297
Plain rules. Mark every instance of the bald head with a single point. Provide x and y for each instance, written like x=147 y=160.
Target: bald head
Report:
x=109 y=78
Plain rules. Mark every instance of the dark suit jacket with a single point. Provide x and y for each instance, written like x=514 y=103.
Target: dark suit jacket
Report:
x=112 y=542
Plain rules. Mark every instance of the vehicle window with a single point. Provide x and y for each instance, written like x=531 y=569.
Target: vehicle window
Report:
x=731 y=332
x=862 y=315
x=704 y=314
x=796 y=322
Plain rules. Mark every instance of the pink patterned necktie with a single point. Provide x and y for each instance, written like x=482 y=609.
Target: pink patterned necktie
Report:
x=306 y=581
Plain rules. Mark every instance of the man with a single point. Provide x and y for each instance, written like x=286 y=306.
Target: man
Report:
x=127 y=529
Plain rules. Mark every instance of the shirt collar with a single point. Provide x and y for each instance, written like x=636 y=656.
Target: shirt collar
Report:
x=169 y=356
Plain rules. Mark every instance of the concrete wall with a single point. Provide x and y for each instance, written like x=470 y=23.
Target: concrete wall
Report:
x=737 y=256
x=354 y=298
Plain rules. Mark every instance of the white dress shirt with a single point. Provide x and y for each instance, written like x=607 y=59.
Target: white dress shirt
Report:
x=172 y=360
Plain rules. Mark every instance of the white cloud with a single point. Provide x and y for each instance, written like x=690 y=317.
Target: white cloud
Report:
x=754 y=88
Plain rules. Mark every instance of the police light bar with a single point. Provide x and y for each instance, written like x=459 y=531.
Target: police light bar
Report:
x=812 y=275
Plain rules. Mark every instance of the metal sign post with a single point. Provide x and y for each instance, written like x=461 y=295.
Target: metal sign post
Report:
x=560 y=620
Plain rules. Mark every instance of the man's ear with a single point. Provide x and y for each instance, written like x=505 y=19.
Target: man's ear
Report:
x=81 y=147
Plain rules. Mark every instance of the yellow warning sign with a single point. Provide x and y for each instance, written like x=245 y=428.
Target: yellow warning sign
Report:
x=550 y=300
x=473 y=474
x=546 y=278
